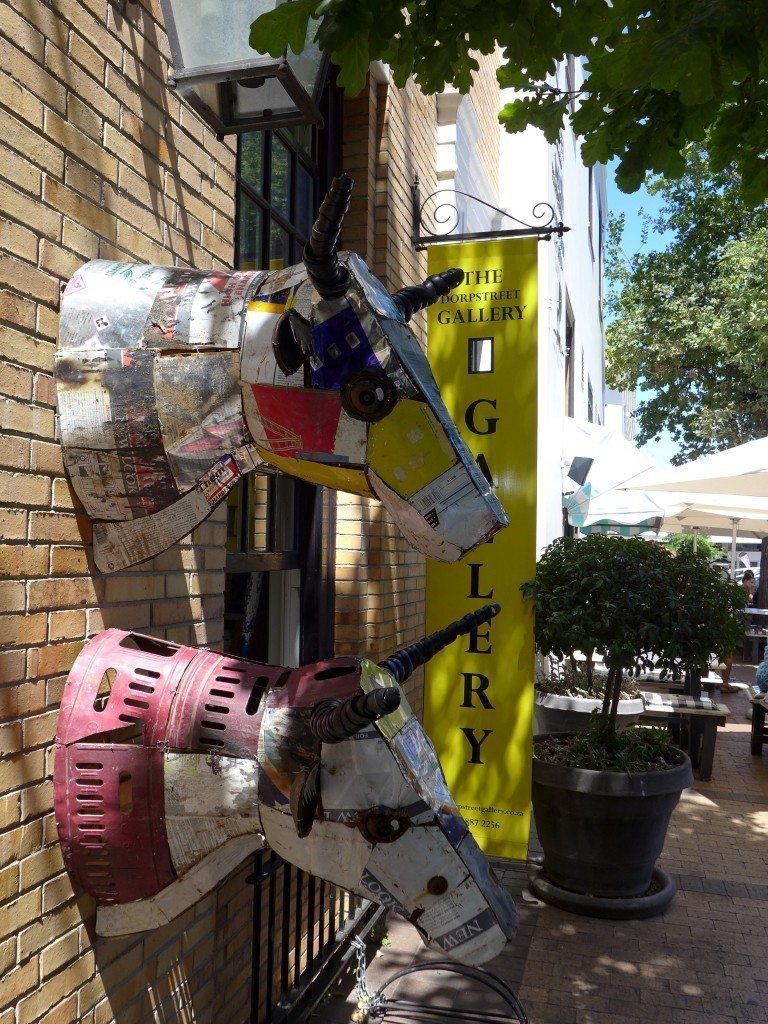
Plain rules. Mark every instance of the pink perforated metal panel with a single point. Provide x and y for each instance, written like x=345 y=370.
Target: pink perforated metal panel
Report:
x=217 y=705
x=337 y=678
x=109 y=807
x=128 y=699
x=120 y=681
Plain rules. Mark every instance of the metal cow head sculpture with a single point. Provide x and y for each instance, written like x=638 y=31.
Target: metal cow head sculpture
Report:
x=173 y=382
x=173 y=764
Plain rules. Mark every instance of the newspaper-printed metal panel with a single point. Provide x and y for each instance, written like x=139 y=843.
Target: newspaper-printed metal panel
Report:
x=109 y=428
x=209 y=800
x=199 y=409
x=166 y=375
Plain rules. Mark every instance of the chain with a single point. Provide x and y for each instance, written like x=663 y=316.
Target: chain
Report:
x=368 y=1003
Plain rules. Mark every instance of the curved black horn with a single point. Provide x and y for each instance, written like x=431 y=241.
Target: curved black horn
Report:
x=411 y=300
x=333 y=721
x=407 y=660
x=325 y=272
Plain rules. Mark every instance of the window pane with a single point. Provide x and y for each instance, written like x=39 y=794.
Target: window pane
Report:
x=249 y=254
x=302 y=136
x=252 y=160
x=481 y=355
x=281 y=171
x=304 y=204
x=279 y=248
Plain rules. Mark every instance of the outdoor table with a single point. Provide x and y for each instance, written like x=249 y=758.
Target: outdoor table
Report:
x=698 y=717
x=756 y=631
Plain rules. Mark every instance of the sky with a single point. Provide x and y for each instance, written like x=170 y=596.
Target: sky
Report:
x=618 y=202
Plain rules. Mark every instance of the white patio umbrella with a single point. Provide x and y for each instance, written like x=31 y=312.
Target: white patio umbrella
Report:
x=601 y=457
x=627 y=513
x=736 y=471
x=708 y=513
x=595 y=462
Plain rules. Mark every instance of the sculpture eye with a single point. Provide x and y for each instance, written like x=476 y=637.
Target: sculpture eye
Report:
x=291 y=342
x=368 y=395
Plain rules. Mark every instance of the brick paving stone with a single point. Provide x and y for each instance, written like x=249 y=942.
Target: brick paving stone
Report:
x=704 y=961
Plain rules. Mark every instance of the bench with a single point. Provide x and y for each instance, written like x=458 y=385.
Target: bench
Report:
x=698 y=717
x=759 y=702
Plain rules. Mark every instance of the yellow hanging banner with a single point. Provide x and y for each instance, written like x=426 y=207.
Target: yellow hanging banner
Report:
x=478 y=703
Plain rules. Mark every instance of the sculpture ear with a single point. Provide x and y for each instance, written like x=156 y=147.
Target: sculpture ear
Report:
x=304 y=798
x=292 y=342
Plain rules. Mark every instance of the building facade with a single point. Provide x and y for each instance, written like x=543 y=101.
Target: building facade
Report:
x=99 y=159
x=571 y=328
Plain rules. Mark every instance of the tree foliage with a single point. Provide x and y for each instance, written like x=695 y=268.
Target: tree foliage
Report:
x=689 y=323
x=704 y=548
x=662 y=74
x=634 y=603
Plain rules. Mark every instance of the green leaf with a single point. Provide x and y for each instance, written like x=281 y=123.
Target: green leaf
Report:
x=353 y=59
x=285 y=26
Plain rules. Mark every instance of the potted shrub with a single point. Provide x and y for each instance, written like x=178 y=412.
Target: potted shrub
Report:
x=602 y=798
x=569 y=691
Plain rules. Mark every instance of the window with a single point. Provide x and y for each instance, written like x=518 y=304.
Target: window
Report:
x=570 y=331
x=481 y=355
x=277 y=196
x=278 y=602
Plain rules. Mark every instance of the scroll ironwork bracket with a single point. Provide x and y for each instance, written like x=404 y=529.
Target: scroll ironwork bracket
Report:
x=446 y=213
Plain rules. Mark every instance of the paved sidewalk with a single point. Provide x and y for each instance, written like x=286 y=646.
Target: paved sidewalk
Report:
x=704 y=961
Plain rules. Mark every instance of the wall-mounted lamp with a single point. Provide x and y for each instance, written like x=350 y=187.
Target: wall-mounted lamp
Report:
x=232 y=87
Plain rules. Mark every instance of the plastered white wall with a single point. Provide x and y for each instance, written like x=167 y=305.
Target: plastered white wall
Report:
x=570 y=272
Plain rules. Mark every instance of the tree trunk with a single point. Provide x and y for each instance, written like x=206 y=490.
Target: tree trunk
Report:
x=761 y=597
x=612 y=688
x=615 y=699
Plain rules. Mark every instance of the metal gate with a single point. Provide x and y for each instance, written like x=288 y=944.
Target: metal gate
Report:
x=300 y=924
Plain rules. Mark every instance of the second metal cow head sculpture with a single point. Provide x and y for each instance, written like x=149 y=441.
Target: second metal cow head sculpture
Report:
x=172 y=383
x=173 y=764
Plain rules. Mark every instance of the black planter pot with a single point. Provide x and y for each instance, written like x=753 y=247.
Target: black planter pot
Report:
x=601 y=832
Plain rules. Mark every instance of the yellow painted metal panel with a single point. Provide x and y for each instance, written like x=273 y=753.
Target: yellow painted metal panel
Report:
x=342 y=478
x=478 y=705
x=408 y=449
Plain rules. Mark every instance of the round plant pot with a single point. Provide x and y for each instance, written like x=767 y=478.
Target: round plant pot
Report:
x=553 y=713
x=601 y=832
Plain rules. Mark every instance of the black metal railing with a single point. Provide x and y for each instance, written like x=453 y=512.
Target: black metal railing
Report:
x=300 y=927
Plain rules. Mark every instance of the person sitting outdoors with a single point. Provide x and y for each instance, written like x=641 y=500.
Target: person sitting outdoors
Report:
x=749 y=583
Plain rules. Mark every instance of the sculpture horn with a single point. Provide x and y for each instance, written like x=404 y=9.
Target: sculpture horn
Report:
x=410 y=300
x=333 y=721
x=404 y=662
x=328 y=276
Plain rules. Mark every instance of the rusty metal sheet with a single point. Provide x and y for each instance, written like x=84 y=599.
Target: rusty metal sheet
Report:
x=286 y=750
x=168 y=322
x=208 y=800
x=199 y=409
x=107 y=405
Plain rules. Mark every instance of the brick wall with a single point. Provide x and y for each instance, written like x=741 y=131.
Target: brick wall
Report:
x=98 y=159
x=486 y=100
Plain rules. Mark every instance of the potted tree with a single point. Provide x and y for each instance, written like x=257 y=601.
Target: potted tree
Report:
x=569 y=691
x=602 y=798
